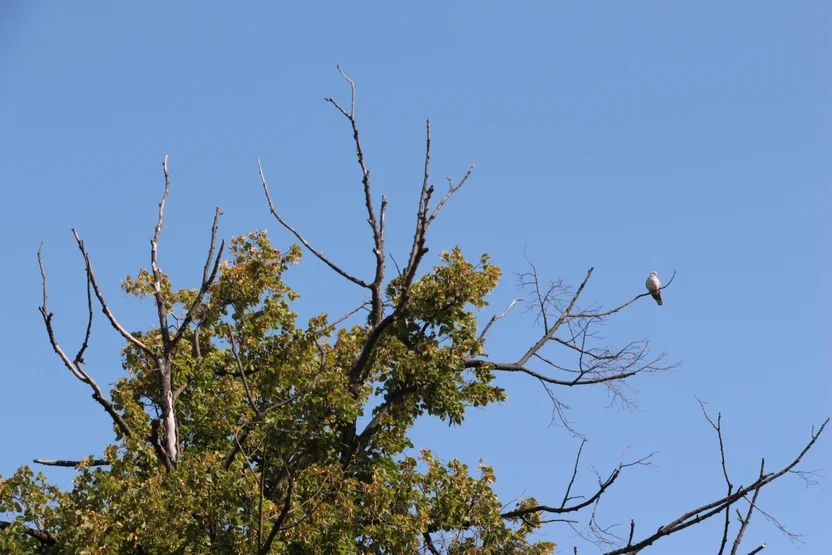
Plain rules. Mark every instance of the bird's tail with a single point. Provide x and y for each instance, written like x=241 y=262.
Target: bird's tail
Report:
x=658 y=296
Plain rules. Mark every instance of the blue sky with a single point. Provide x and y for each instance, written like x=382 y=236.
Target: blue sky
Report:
x=687 y=136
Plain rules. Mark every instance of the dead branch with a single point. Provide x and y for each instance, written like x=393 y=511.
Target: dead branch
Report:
x=300 y=237
x=76 y=366
x=209 y=274
x=566 y=497
x=154 y=262
x=334 y=324
x=556 y=309
x=451 y=190
x=514 y=367
x=59 y=462
x=359 y=370
x=495 y=318
x=551 y=332
x=744 y=521
x=777 y=524
x=417 y=252
x=717 y=426
x=104 y=307
x=619 y=308
x=708 y=510
x=377 y=226
x=603 y=486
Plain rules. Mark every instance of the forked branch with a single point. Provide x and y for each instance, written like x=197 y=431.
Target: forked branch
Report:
x=75 y=366
x=708 y=510
x=376 y=225
x=603 y=486
x=209 y=274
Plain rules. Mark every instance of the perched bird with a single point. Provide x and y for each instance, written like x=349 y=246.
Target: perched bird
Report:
x=654 y=286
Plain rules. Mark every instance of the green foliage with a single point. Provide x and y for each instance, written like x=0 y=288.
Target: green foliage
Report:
x=266 y=419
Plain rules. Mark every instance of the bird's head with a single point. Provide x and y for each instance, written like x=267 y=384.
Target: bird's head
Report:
x=654 y=273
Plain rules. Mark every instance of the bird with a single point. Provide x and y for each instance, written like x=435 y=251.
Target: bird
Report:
x=655 y=287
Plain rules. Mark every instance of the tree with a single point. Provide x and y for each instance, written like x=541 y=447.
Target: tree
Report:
x=237 y=428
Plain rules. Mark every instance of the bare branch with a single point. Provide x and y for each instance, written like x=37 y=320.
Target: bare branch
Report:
x=514 y=367
x=495 y=318
x=418 y=250
x=75 y=366
x=559 y=510
x=708 y=510
x=770 y=518
x=757 y=549
x=106 y=309
x=718 y=428
x=566 y=497
x=154 y=261
x=209 y=274
x=620 y=307
x=79 y=357
x=59 y=462
x=377 y=226
x=346 y=316
x=306 y=244
x=551 y=332
x=603 y=486
x=744 y=521
x=595 y=365
x=451 y=190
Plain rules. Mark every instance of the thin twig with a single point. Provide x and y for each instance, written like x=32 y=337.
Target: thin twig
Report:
x=495 y=318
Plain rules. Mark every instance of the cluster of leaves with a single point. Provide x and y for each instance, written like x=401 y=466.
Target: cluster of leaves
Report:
x=262 y=407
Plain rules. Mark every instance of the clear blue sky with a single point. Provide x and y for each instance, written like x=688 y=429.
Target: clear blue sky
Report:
x=630 y=137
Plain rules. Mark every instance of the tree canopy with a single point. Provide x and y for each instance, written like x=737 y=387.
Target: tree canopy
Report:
x=240 y=429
